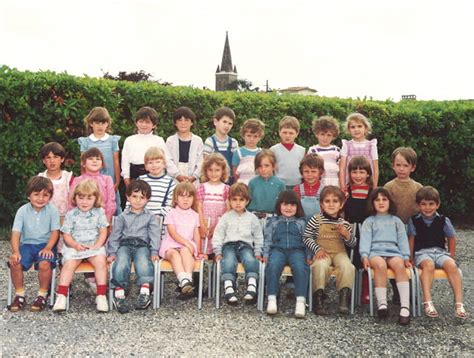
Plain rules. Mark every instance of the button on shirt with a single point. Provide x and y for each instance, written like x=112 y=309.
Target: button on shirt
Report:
x=35 y=226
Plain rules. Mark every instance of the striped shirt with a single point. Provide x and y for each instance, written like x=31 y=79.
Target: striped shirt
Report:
x=161 y=193
x=360 y=191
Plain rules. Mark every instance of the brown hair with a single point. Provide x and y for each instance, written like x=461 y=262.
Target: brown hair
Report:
x=289 y=197
x=289 y=122
x=254 y=126
x=92 y=153
x=312 y=161
x=360 y=118
x=218 y=159
x=264 y=153
x=224 y=112
x=97 y=114
x=184 y=112
x=407 y=153
x=37 y=184
x=154 y=153
x=139 y=186
x=362 y=163
x=239 y=189
x=326 y=124
x=88 y=187
x=52 y=147
x=147 y=113
x=392 y=209
x=332 y=190
x=184 y=187
x=428 y=193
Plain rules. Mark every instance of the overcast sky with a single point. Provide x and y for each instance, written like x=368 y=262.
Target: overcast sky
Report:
x=377 y=48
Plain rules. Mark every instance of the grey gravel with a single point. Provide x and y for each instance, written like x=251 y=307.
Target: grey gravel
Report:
x=178 y=328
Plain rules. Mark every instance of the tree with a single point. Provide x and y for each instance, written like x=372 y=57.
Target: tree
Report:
x=140 y=76
x=242 y=85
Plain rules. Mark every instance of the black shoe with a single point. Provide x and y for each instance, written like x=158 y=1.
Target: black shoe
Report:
x=404 y=320
x=382 y=311
x=318 y=307
x=344 y=300
x=121 y=305
x=143 y=301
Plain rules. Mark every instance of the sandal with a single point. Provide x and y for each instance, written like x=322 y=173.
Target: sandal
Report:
x=250 y=296
x=459 y=310
x=430 y=309
x=187 y=287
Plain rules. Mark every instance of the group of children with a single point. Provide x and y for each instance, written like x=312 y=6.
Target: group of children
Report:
x=189 y=200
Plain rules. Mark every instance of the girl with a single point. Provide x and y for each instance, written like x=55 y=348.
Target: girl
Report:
x=212 y=195
x=85 y=232
x=358 y=127
x=98 y=125
x=182 y=240
x=265 y=187
x=383 y=244
x=283 y=244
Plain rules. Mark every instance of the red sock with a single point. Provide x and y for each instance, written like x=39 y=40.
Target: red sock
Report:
x=62 y=290
x=101 y=290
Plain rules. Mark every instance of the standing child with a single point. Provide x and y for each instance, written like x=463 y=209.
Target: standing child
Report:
x=384 y=244
x=326 y=235
x=35 y=232
x=186 y=148
x=312 y=169
x=135 y=237
x=326 y=129
x=238 y=237
x=288 y=154
x=358 y=126
x=283 y=245
x=264 y=188
x=428 y=233
x=84 y=232
x=182 y=241
x=243 y=160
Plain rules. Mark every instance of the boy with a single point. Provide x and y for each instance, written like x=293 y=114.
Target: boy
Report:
x=135 y=237
x=428 y=233
x=185 y=147
x=34 y=235
x=220 y=142
x=288 y=153
x=238 y=237
x=326 y=235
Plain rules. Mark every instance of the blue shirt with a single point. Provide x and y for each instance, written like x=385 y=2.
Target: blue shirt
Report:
x=244 y=152
x=264 y=193
x=448 y=226
x=35 y=226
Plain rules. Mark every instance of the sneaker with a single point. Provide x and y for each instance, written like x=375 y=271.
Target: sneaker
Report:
x=143 y=301
x=101 y=302
x=272 y=307
x=300 y=309
x=18 y=304
x=60 y=304
x=38 y=304
x=121 y=305
x=187 y=287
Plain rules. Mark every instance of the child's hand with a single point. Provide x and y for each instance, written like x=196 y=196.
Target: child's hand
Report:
x=321 y=254
x=154 y=258
x=46 y=253
x=126 y=181
x=14 y=259
x=310 y=261
x=202 y=256
x=343 y=231
x=190 y=247
x=111 y=259
x=95 y=247
x=218 y=258
x=365 y=263
x=408 y=263
x=80 y=247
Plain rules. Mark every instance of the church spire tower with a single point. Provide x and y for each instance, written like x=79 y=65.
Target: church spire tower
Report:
x=227 y=73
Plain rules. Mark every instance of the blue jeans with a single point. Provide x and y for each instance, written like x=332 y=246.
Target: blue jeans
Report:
x=140 y=255
x=236 y=251
x=276 y=262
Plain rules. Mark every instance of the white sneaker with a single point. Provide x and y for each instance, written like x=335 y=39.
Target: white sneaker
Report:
x=272 y=307
x=300 y=309
x=102 y=304
x=60 y=304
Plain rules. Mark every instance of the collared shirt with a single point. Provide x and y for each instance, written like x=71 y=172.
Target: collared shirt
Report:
x=448 y=226
x=95 y=139
x=35 y=226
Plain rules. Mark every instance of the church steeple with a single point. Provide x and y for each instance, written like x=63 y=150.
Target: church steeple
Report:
x=226 y=73
x=226 y=64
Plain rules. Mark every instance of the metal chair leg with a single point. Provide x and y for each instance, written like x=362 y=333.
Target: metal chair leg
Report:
x=10 y=287
x=156 y=285
x=201 y=278
x=371 y=294
x=218 y=283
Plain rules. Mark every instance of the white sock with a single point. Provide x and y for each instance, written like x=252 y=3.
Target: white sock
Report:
x=181 y=276
x=189 y=276
x=228 y=286
x=381 y=295
x=272 y=298
x=300 y=299
x=145 y=289
x=252 y=281
x=119 y=292
x=404 y=290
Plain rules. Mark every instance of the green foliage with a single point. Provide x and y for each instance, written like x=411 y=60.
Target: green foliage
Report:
x=36 y=108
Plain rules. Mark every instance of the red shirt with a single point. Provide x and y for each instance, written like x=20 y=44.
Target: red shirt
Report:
x=309 y=190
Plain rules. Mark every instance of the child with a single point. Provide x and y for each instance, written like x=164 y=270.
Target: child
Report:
x=312 y=169
x=182 y=240
x=326 y=129
x=35 y=232
x=243 y=166
x=135 y=146
x=265 y=187
x=212 y=195
x=288 y=154
x=383 y=244
x=98 y=125
x=428 y=233
x=358 y=127
x=135 y=237
x=238 y=237
x=220 y=142
x=326 y=235
x=283 y=245
x=186 y=148
x=84 y=232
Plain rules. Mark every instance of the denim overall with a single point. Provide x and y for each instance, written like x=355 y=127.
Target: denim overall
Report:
x=310 y=204
x=227 y=155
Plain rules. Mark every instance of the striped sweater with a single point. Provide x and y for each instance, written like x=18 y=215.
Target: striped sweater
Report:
x=162 y=189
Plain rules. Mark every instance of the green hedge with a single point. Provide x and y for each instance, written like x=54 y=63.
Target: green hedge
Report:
x=39 y=107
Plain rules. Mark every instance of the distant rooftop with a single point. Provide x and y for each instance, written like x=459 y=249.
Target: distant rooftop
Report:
x=298 y=90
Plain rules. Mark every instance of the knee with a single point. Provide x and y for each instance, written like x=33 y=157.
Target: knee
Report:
x=428 y=266
x=450 y=266
x=44 y=266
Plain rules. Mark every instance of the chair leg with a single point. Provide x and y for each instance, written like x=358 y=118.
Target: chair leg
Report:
x=158 y=285
x=67 y=299
x=412 y=290
x=155 y=285
x=111 y=290
x=10 y=288
x=310 y=289
x=371 y=294
x=201 y=278
x=53 y=288
x=218 y=283
x=210 y=277
x=353 y=293
x=261 y=287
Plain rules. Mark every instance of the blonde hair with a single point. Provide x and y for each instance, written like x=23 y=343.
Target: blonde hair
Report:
x=154 y=153
x=289 y=122
x=252 y=125
x=184 y=187
x=88 y=187
x=360 y=118
x=219 y=160
x=98 y=114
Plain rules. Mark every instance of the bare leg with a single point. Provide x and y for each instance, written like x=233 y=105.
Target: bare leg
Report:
x=67 y=272
x=174 y=257
x=100 y=268
x=380 y=271
x=426 y=278
x=44 y=275
x=454 y=278
x=187 y=260
x=398 y=266
x=17 y=275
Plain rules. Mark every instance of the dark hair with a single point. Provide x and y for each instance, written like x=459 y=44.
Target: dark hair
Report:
x=184 y=112
x=224 y=112
x=428 y=193
x=326 y=124
x=100 y=115
x=407 y=153
x=254 y=126
x=362 y=163
x=139 y=186
x=312 y=161
x=52 y=147
x=392 y=209
x=37 y=184
x=264 y=153
x=90 y=153
x=334 y=190
x=289 y=197
x=147 y=113
x=239 y=189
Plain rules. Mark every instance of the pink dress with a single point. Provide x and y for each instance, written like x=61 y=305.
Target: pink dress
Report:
x=366 y=148
x=213 y=198
x=60 y=197
x=185 y=222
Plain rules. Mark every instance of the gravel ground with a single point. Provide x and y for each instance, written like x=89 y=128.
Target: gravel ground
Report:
x=178 y=328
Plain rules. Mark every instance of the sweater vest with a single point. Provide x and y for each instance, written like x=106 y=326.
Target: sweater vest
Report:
x=429 y=236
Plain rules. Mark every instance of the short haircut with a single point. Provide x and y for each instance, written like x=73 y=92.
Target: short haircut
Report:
x=184 y=112
x=254 y=126
x=219 y=160
x=52 y=147
x=312 y=161
x=408 y=153
x=147 y=113
x=239 y=189
x=154 y=153
x=326 y=124
x=392 y=209
x=362 y=163
x=289 y=197
x=332 y=190
x=88 y=187
x=139 y=186
x=37 y=184
x=289 y=122
x=97 y=114
x=92 y=153
x=224 y=112
x=428 y=193
x=264 y=153
x=360 y=118
x=184 y=187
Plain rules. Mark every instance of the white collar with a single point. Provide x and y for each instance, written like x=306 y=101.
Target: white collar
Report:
x=95 y=139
